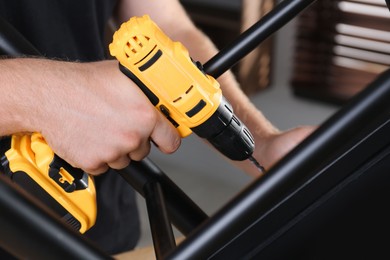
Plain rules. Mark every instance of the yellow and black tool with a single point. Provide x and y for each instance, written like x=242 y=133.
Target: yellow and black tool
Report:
x=69 y=192
x=179 y=88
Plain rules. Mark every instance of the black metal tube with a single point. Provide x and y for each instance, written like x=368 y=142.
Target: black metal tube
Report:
x=30 y=231
x=367 y=107
x=184 y=213
x=251 y=38
x=160 y=224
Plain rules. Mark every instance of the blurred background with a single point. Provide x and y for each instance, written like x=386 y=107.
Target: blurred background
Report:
x=300 y=76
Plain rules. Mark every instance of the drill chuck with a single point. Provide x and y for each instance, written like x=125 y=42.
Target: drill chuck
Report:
x=227 y=133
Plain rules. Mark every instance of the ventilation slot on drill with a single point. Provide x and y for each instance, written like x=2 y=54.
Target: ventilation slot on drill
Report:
x=248 y=134
x=131 y=48
x=177 y=99
x=135 y=38
x=229 y=109
x=236 y=120
x=190 y=88
x=187 y=91
x=138 y=44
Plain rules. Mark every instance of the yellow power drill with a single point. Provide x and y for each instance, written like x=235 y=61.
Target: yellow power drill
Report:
x=179 y=88
x=175 y=84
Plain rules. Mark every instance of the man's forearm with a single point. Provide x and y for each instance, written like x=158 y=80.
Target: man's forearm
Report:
x=14 y=87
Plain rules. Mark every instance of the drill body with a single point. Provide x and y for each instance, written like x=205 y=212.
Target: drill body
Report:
x=178 y=87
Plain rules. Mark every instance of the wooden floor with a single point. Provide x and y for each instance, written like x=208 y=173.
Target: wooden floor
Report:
x=146 y=253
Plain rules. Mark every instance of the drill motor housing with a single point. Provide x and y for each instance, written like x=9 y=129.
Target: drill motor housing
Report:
x=178 y=87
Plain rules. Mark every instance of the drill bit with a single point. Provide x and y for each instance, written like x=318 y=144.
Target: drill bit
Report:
x=257 y=164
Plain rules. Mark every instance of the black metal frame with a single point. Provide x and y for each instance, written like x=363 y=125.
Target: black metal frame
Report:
x=367 y=114
x=29 y=230
x=208 y=237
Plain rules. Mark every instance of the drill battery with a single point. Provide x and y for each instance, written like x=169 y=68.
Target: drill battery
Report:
x=30 y=163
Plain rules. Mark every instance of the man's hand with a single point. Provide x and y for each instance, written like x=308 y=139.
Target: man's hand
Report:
x=272 y=148
x=90 y=114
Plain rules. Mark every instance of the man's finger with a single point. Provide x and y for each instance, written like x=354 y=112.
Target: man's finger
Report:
x=166 y=136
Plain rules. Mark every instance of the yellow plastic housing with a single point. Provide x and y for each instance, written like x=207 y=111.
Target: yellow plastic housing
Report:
x=31 y=154
x=185 y=94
